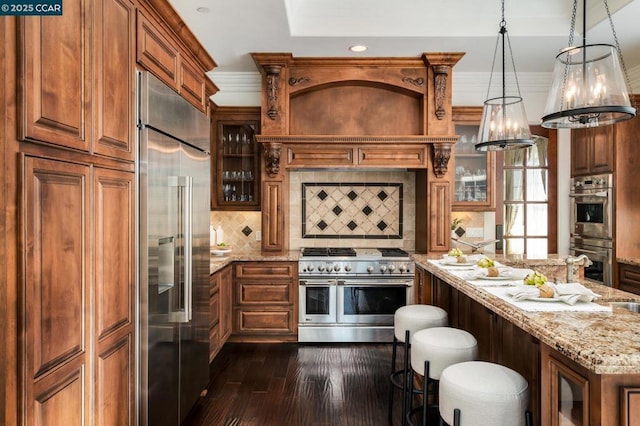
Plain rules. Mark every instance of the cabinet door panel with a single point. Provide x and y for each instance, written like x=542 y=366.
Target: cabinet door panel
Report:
x=57 y=262
x=115 y=381
x=273 y=232
x=192 y=85
x=114 y=78
x=61 y=398
x=226 y=304
x=114 y=222
x=603 y=150
x=56 y=84
x=156 y=52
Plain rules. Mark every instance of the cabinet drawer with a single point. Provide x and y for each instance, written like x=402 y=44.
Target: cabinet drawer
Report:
x=266 y=270
x=264 y=293
x=267 y=321
x=314 y=156
x=629 y=279
x=399 y=156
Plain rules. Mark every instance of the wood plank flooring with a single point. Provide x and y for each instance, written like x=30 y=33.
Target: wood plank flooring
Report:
x=299 y=385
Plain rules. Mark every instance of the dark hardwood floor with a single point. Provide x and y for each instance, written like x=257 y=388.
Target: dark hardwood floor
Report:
x=298 y=385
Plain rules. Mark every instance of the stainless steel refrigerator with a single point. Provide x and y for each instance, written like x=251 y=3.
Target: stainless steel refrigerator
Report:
x=173 y=186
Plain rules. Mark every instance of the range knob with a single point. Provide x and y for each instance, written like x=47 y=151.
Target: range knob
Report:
x=320 y=267
x=347 y=267
x=383 y=268
x=336 y=267
x=369 y=269
x=310 y=267
x=392 y=268
x=402 y=267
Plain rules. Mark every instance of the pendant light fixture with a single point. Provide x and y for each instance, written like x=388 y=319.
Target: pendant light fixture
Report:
x=504 y=122
x=590 y=83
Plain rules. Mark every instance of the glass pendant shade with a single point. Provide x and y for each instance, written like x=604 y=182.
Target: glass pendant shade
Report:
x=504 y=125
x=504 y=122
x=588 y=89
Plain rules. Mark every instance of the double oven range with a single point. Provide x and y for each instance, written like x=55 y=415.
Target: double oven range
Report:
x=351 y=295
x=592 y=224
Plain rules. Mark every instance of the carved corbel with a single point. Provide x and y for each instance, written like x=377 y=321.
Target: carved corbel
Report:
x=273 y=75
x=441 y=155
x=272 y=158
x=441 y=73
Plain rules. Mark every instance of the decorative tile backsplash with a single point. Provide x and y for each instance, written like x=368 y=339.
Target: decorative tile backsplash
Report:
x=373 y=208
x=352 y=210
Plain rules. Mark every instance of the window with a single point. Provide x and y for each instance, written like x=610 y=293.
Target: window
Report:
x=526 y=200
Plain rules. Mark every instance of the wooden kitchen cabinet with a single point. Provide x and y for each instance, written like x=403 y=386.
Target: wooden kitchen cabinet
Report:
x=498 y=340
x=629 y=278
x=67 y=266
x=474 y=170
x=84 y=99
x=422 y=287
x=264 y=301
x=220 y=309
x=160 y=51
x=592 y=151
x=235 y=168
x=226 y=303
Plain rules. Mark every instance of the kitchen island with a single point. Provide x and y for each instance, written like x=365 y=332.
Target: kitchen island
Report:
x=582 y=367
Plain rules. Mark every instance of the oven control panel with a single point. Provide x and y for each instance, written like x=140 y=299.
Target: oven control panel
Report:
x=346 y=268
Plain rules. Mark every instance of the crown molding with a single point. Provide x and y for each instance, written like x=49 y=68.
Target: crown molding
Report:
x=243 y=88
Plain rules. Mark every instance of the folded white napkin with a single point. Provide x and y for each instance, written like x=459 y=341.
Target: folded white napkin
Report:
x=568 y=293
x=520 y=273
x=571 y=293
x=479 y=273
x=524 y=292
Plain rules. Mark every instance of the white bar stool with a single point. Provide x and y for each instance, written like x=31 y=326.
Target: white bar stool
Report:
x=482 y=393
x=406 y=321
x=433 y=350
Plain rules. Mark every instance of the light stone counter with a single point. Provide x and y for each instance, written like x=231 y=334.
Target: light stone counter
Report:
x=218 y=262
x=603 y=342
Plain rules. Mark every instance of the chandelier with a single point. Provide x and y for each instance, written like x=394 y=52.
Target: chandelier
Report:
x=504 y=122
x=590 y=83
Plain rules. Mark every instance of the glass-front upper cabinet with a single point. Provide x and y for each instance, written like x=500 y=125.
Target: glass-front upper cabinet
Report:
x=474 y=170
x=235 y=180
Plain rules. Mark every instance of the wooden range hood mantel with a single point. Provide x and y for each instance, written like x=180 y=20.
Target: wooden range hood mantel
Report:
x=358 y=113
x=329 y=151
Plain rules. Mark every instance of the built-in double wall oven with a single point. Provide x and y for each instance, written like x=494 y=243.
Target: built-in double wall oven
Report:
x=592 y=204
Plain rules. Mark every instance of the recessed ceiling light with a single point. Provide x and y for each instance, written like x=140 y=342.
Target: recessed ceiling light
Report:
x=358 y=48
x=203 y=9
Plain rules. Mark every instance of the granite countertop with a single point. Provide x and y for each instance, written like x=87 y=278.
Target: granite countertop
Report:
x=603 y=342
x=218 y=262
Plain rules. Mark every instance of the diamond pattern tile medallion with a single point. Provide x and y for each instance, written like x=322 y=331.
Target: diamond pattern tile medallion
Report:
x=355 y=210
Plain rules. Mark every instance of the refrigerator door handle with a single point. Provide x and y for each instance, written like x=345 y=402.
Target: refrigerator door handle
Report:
x=188 y=248
x=184 y=185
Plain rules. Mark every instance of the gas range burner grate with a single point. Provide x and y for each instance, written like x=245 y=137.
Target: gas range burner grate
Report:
x=393 y=252
x=331 y=251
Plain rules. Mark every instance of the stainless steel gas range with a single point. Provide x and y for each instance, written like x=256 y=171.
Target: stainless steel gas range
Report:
x=351 y=295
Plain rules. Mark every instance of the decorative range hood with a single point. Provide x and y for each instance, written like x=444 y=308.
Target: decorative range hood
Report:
x=358 y=113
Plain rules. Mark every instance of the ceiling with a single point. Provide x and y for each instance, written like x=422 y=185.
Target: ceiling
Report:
x=231 y=29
